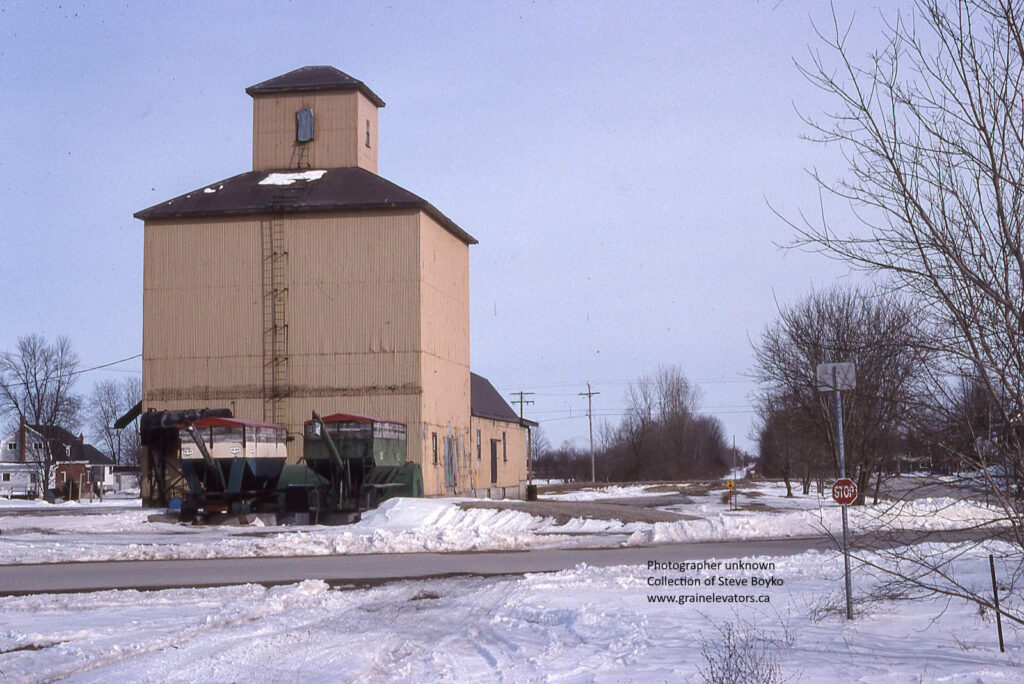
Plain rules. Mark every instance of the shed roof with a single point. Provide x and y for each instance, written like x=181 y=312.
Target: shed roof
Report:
x=309 y=78
x=261 y=192
x=486 y=402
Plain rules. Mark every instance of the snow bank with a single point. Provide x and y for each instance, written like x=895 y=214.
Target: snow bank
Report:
x=397 y=526
x=920 y=515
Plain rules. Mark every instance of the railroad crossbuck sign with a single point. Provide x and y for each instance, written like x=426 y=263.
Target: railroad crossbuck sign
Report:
x=844 y=491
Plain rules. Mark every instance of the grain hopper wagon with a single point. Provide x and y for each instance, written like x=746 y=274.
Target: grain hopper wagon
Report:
x=350 y=464
x=230 y=464
x=160 y=438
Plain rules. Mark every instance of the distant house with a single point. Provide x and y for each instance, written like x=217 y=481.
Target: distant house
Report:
x=75 y=465
x=21 y=456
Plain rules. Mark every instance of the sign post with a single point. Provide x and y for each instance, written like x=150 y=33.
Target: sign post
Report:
x=836 y=377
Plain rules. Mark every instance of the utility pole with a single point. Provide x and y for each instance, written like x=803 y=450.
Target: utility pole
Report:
x=521 y=401
x=589 y=394
x=529 y=433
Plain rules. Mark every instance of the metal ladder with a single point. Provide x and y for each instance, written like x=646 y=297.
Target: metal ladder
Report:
x=275 y=326
x=300 y=156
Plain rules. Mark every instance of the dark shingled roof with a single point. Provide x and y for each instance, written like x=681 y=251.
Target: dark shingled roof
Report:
x=486 y=402
x=59 y=437
x=309 y=78
x=341 y=189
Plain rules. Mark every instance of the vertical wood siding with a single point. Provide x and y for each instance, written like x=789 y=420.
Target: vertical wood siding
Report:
x=444 y=302
x=339 y=130
x=377 y=309
x=352 y=310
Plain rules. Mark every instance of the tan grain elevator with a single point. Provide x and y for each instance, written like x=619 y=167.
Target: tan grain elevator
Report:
x=312 y=283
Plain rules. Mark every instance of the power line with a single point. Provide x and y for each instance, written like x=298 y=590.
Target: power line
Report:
x=619 y=414
x=106 y=365
x=697 y=381
x=700 y=409
x=93 y=368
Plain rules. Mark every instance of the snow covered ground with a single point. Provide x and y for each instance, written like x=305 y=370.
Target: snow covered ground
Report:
x=585 y=624
x=606 y=492
x=411 y=525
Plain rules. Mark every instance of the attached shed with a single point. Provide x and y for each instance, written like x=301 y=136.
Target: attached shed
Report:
x=502 y=441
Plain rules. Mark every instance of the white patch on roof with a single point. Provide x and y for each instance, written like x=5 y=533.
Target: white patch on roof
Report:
x=209 y=191
x=291 y=178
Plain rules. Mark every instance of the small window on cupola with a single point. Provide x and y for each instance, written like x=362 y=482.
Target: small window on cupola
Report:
x=367 y=132
x=304 y=125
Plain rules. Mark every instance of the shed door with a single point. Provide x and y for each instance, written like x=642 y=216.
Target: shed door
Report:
x=494 y=461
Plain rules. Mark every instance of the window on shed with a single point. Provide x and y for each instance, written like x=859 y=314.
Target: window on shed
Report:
x=37 y=445
x=7 y=477
x=478 y=444
x=433 y=439
x=367 y=132
x=504 y=449
x=304 y=125
x=12 y=445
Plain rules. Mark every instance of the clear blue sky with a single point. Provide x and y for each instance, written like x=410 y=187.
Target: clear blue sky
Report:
x=613 y=159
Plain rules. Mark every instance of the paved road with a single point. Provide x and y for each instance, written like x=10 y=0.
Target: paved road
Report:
x=375 y=568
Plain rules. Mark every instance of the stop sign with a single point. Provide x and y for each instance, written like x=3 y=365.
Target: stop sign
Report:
x=844 y=491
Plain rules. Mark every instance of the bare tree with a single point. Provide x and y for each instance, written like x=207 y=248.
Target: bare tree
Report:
x=102 y=408
x=637 y=424
x=566 y=463
x=662 y=436
x=36 y=382
x=775 y=442
x=877 y=333
x=540 y=443
x=111 y=399
x=932 y=128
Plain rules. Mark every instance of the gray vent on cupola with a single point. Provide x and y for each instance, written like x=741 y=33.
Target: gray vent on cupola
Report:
x=304 y=125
